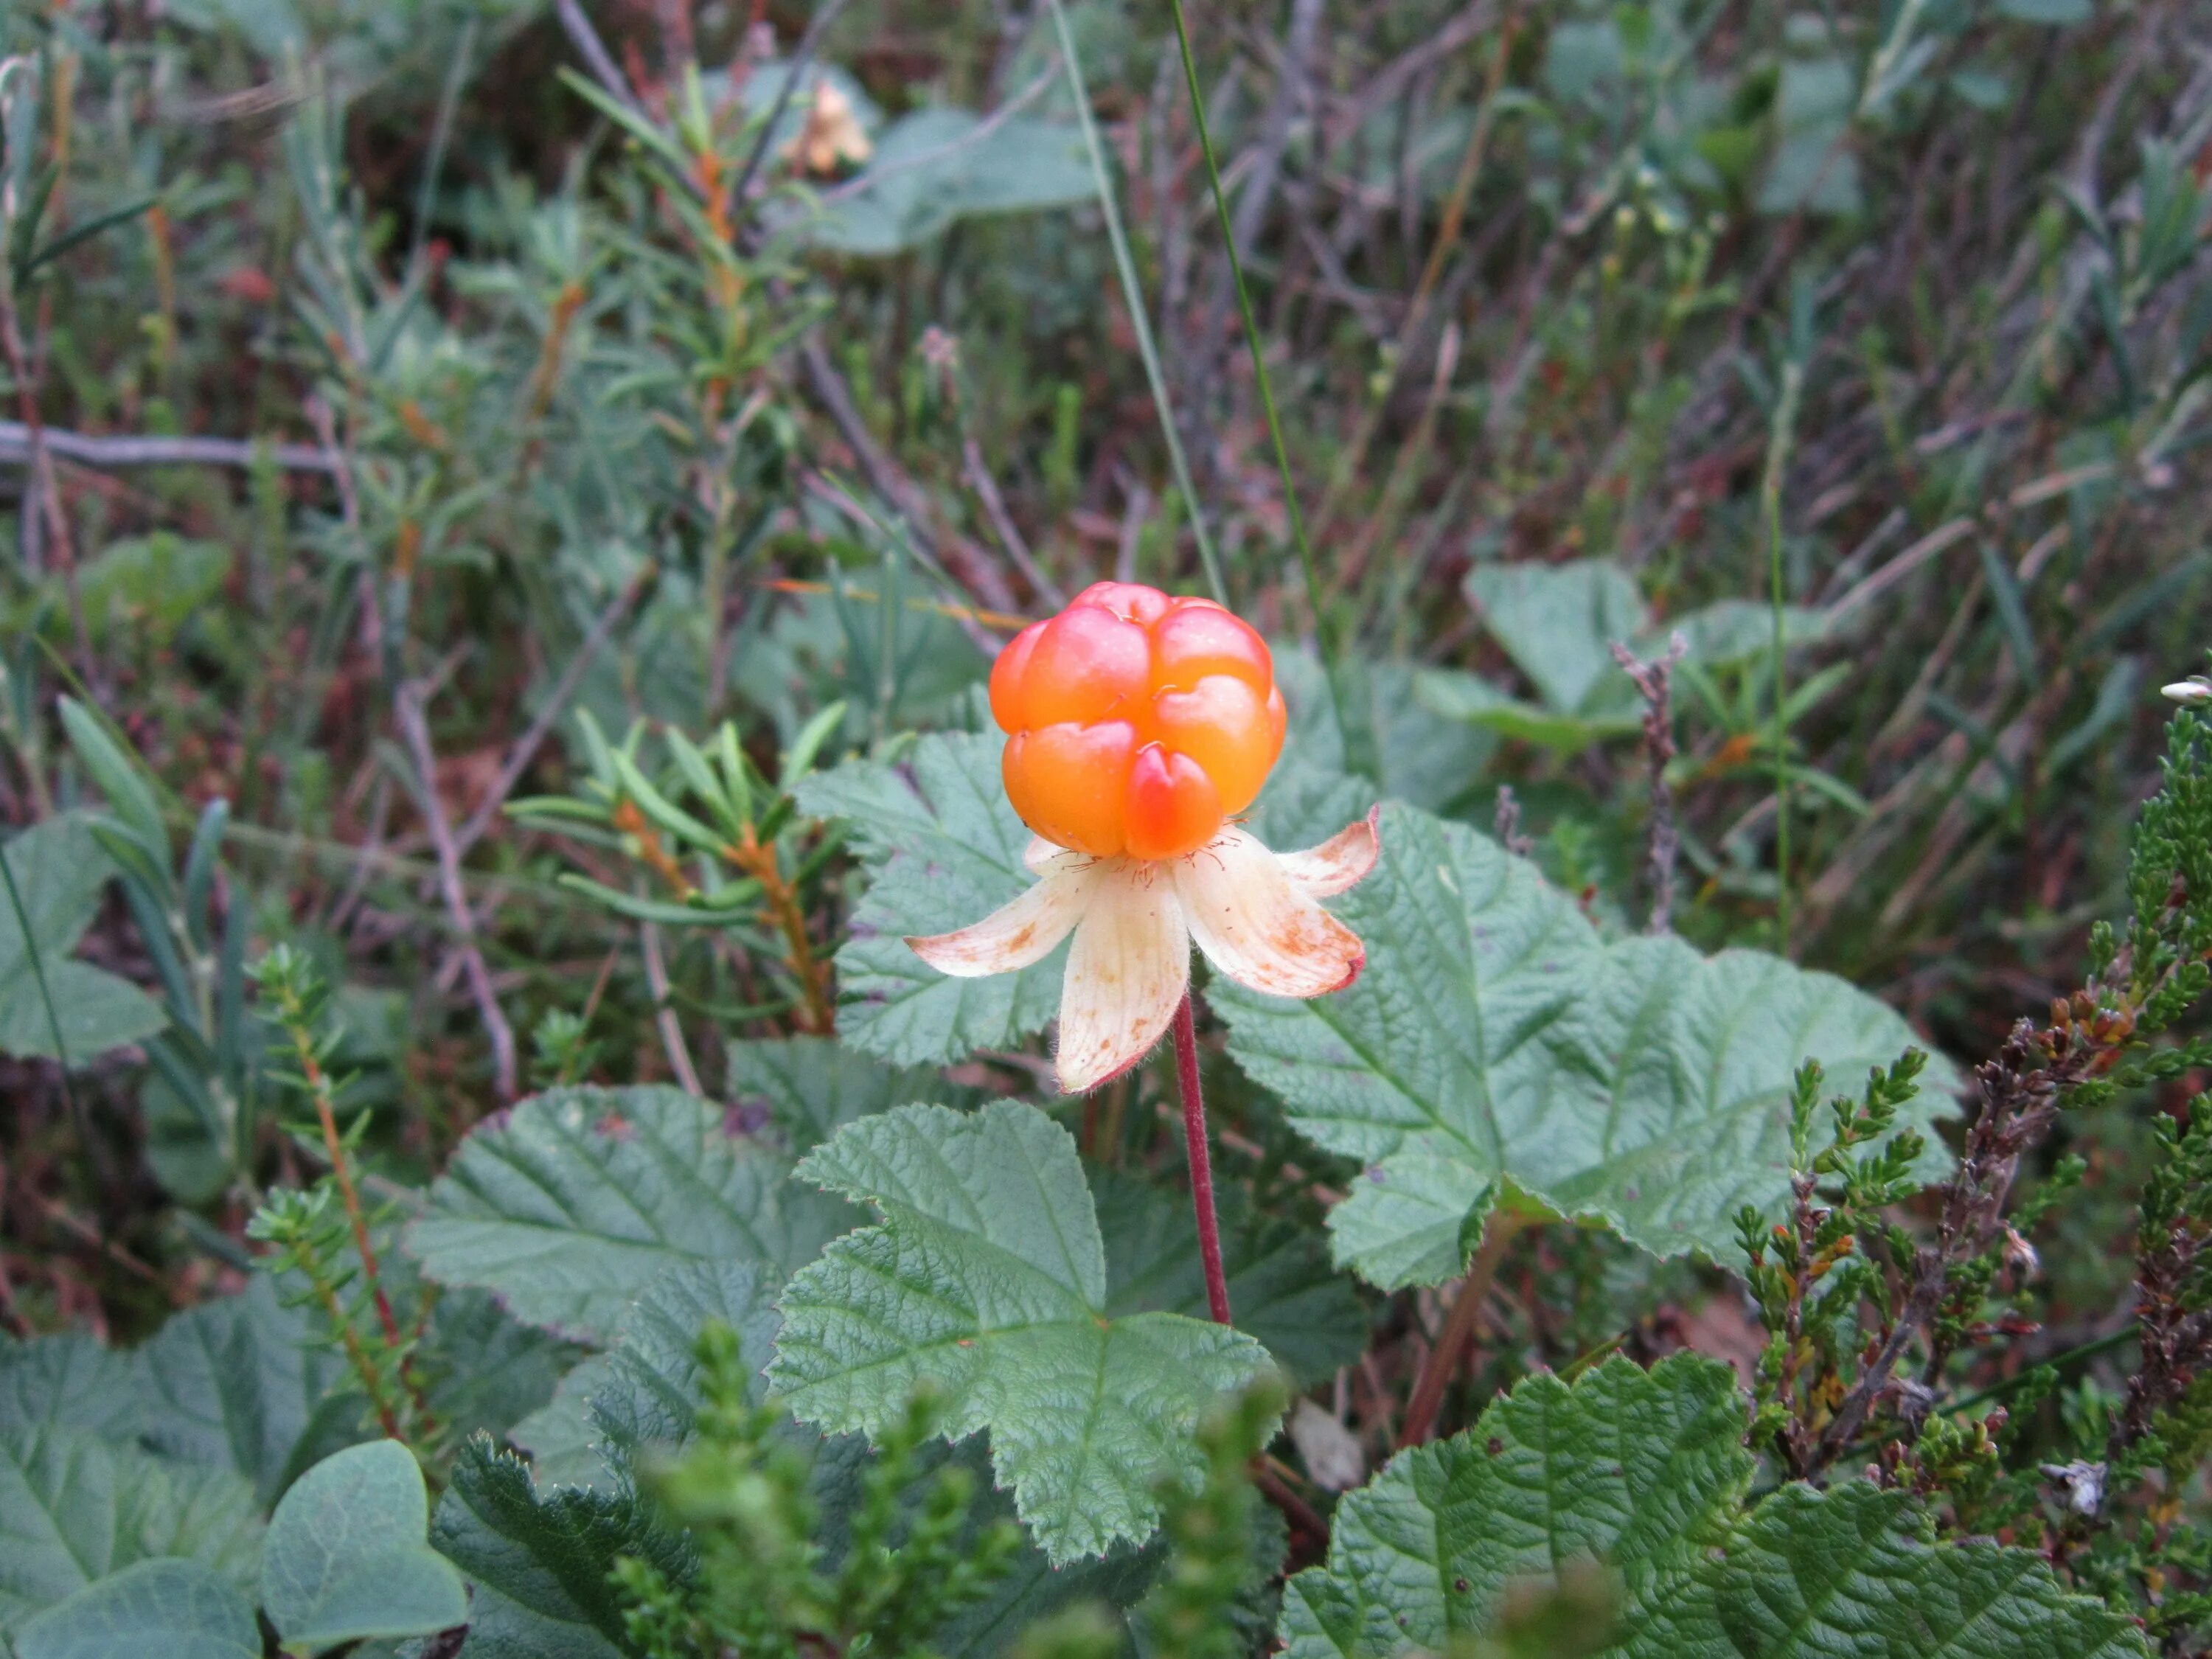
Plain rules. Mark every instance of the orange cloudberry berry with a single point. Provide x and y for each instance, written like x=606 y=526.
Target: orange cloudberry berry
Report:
x=1136 y=723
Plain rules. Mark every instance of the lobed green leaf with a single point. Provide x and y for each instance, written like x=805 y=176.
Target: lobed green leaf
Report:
x=943 y=849
x=985 y=1278
x=570 y=1205
x=1642 y=1476
x=1498 y=1044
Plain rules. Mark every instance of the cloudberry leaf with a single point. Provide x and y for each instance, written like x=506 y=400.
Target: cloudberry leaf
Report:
x=571 y=1203
x=71 y=1380
x=1498 y=1042
x=1643 y=1474
x=250 y=1383
x=645 y=1390
x=986 y=1275
x=1410 y=743
x=644 y=1393
x=944 y=848
x=805 y=1089
x=1284 y=1291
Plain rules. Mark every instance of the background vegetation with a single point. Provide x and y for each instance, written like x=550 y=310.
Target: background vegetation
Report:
x=487 y=481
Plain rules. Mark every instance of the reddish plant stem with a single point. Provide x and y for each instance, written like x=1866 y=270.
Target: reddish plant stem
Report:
x=365 y=1368
x=1428 y=1396
x=1201 y=1164
x=334 y=1149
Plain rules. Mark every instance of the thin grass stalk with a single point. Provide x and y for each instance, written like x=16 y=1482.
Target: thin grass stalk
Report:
x=1133 y=294
x=1769 y=496
x=1290 y=508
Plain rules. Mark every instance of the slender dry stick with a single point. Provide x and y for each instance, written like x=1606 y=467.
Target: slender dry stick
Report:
x=1202 y=1163
x=964 y=564
x=407 y=705
x=116 y=454
x=585 y=40
x=1010 y=536
x=664 y=1015
x=1428 y=1395
x=519 y=758
x=801 y=60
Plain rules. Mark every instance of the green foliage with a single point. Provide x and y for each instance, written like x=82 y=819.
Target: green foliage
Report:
x=345 y=1557
x=540 y=1567
x=1200 y=1609
x=199 y=1096
x=1809 y=1296
x=70 y=1380
x=1558 y=623
x=711 y=834
x=638 y=1405
x=1515 y=1052
x=53 y=1005
x=646 y=1390
x=945 y=848
x=986 y=1276
x=1405 y=737
x=908 y=1559
x=153 y=583
x=803 y=1090
x=1309 y=1319
x=170 y=1605
x=312 y=1244
x=572 y=1204
x=936 y=166
x=542 y=408
x=1644 y=1474
x=243 y=1383
x=74 y=1507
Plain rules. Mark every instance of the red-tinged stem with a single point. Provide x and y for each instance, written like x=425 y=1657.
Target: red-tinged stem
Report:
x=1428 y=1396
x=1201 y=1164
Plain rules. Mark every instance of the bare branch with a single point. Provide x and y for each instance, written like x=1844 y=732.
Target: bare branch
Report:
x=115 y=454
x=519 y=758
x=415 y=732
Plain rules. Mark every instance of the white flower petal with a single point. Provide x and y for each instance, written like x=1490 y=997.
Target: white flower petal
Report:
x=1339 y=863
x=1258 y=926
x=1017 y=935
x=1128 y=969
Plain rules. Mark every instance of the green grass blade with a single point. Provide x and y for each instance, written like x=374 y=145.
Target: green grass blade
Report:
x=1296 y=514
x=38 y=966
x=1133 y=293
